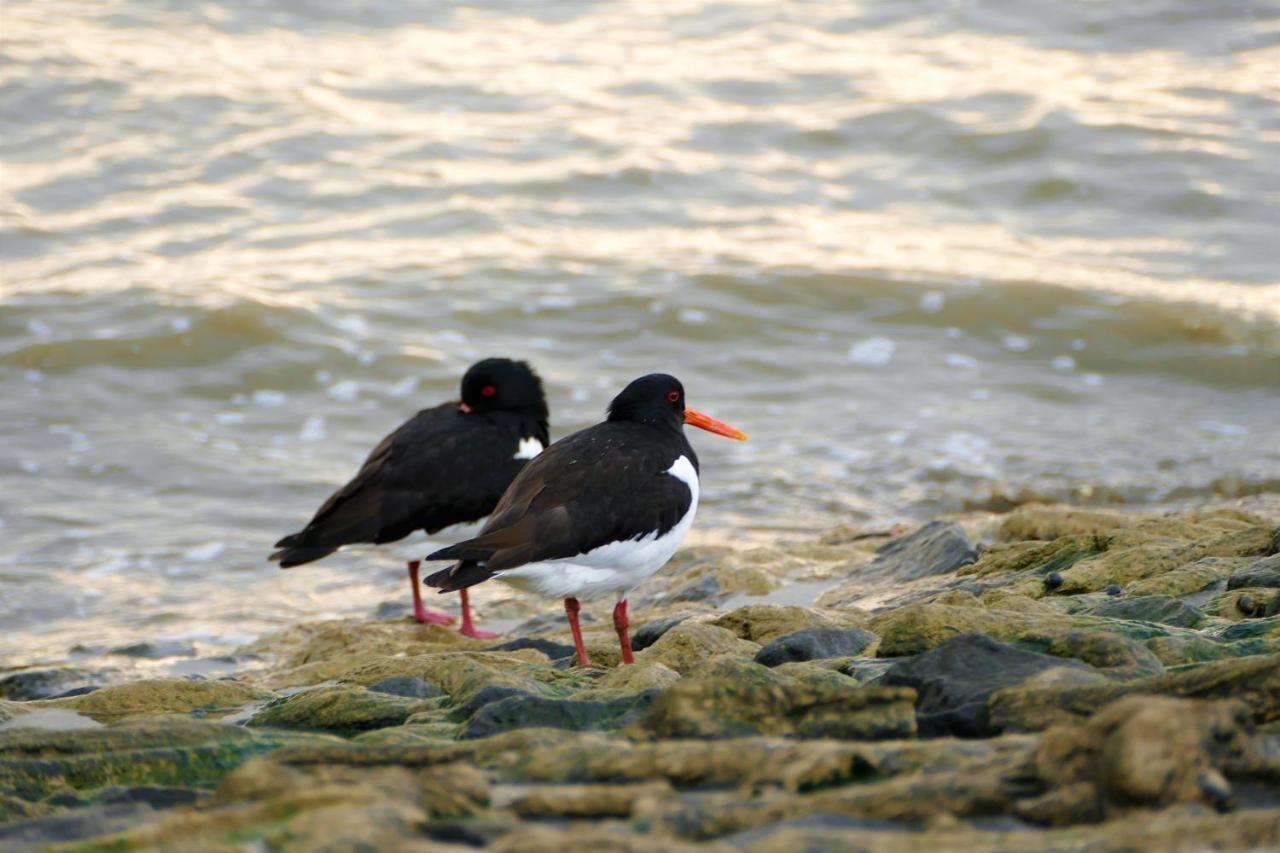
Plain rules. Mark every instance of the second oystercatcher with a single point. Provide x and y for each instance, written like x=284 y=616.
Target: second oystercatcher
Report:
x=445 y=465
x=598 y=511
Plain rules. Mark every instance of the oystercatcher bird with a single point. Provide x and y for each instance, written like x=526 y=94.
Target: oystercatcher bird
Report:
x=598 y=511
x=443 y=466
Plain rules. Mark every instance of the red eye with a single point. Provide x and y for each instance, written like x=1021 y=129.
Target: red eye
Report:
x=673 y=396
x=488 y=391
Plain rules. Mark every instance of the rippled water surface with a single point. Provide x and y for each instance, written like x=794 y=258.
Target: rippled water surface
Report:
x=931 y=256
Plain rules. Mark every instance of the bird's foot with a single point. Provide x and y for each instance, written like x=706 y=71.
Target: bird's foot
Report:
x=430 y=616
x=477 y=634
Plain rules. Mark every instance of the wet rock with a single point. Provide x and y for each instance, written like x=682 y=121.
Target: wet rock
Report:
x=1163 y=609
x=649 y=633
x=1141 y=751
x=690 y=643
x=29 y=684
x=954 y=681
x=936 y=548
x=553 y=650
x=407 y=686
x=164 y=696
x=815 y=643
x=1114 y=589
x=730 y=698
x=1053 y=580
x=157 y=650
x=1254 y=680
x=525 y=711
x=1263 y=573
x=340 y=710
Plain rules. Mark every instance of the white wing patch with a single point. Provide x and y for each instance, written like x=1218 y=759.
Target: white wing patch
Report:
x=528 y=448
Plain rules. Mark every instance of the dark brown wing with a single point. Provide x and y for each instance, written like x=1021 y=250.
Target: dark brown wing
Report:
x=440 y=467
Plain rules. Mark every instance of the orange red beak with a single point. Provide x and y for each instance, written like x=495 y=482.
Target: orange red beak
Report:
x=695 y=418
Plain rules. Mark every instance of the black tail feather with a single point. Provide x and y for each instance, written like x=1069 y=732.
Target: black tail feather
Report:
x=294 y=550
x=464 y=574
x=460 y=552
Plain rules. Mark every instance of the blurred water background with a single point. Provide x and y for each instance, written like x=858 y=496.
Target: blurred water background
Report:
x=932 y=256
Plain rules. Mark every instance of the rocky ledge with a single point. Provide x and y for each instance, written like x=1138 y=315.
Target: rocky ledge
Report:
x=1052 y=678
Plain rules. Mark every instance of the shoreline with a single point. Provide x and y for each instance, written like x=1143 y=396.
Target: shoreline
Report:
x=979 y=680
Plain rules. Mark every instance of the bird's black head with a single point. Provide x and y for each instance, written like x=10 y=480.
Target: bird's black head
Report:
x=658 y=400
x=503 y=385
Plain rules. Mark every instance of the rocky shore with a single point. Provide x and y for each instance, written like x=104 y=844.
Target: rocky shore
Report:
x=1052 y=678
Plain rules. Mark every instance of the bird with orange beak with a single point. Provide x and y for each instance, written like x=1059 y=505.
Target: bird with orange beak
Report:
x=598 y=511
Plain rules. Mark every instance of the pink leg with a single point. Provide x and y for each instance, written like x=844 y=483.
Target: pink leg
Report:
x=468 y=628
x=420 y=613
x=620 y=625
x=571 y=608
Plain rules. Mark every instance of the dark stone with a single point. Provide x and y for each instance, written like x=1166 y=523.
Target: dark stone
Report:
x=551 y=649
x=551 y=621
x=651 y=632
x=407 y=685
x=954 y=681
x=485 y=696
x=699 y=589
x=815 y=644
x=77 y=691
x=1114 y=589
x=155 y=651
x=1247 y=604
x=43 y=683
x=1264 y=573
x=527 y=710
x=1053 y=580
x=391 y=610
x=156 y=796
x=937 y=548
x=1162 y=609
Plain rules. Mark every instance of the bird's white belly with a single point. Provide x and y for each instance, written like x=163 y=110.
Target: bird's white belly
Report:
x=615 y=568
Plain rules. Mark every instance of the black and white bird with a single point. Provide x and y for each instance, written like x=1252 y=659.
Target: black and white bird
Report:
x=596 y=513
x=445 y=465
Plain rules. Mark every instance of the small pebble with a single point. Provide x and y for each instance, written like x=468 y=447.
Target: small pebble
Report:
x=1248 y=605
x=1113 y=589
x=1053 y=580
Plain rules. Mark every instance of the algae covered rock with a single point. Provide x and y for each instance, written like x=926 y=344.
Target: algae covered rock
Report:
x=1141 y=751
x=691 y=643
x=763 y=623
x=1164 y=609
x=729 y=698
x=340 y=710
x=1254 y=680
x=164 y=696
